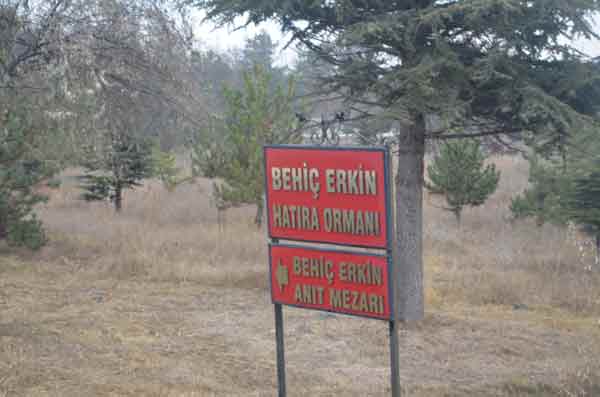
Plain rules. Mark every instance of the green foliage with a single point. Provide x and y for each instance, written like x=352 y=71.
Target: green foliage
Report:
x=564 y=192
x=27 y=232
x=258 y=50
x=459 y=173
x=544 y=199
x=212 y=70
x=483 y=67
x=54 y=183
x=209 y=156
x=164 y=167
x=121 y=164
x=231 y=149
x=494 y=66
x=583 y=201
x=20 y=172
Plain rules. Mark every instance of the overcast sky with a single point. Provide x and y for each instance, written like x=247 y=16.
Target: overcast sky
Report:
x=225 y=38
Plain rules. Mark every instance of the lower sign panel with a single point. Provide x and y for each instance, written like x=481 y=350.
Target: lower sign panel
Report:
x=335 y=281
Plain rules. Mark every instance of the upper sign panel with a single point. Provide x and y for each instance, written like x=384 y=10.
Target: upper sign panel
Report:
x=328 y=195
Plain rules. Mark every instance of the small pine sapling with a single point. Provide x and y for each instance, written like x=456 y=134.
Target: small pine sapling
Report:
x=459 y=173
x=164 y=167
x=121 y=165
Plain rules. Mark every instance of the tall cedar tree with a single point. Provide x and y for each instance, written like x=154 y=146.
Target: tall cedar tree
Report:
x=459 y=173
x=482 y=66
x=232 y=150
x=20 y=172
x=120 y=165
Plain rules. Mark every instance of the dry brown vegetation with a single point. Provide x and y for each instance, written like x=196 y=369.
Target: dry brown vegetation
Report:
x=160 y=302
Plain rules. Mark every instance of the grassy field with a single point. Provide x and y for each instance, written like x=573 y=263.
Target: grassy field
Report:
x=161 y=301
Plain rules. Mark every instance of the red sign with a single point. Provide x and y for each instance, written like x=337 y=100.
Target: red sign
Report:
x=336 y=281
x=335 y=196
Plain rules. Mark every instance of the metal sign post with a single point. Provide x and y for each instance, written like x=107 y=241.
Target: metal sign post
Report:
x=394 y=360
x=280 y=350
x=341 y=197
x=392 y=248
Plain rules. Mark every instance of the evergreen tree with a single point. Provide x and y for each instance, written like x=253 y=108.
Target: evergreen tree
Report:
x=232 y=149
x=560 y=193
x=543 y=199
x=212 y=70
x=485 y=67
x=20 y=172
x=121 y=164
x=459 y=173
x=583 y=202
x=164 y=167
x=258 y=50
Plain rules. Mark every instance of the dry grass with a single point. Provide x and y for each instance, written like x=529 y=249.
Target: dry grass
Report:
x=159 y=301
x=491 y=260
x=160 y=236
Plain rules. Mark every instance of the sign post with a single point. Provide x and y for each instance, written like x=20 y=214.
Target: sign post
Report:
x=340 y=197
x=280 y=350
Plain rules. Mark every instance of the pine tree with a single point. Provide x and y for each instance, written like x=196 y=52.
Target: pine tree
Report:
x=20 y=172
x=485 y=67
x=459 y=173
x=164 y=167
x=258 y=50
x=232 y=149
x=544 y=198
x=563 y=193
x=121 y=164
x=583 y=202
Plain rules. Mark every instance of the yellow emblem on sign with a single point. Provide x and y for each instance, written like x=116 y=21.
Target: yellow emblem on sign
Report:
x=282 y=276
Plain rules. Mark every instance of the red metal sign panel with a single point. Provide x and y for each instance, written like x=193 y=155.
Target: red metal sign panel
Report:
x=336 y=196
x=336 y=281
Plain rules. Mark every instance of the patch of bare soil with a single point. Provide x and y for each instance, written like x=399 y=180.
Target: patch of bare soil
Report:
x=63 y=333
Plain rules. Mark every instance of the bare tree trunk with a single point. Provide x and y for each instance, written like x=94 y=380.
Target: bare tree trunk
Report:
x=118 y=197
x=258 y=218
x=598 y=248
x=221 y=219
x=457 y=214
x=3 y=231
x=409 y=221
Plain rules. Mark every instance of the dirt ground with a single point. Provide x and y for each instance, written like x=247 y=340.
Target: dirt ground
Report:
x=62 y=333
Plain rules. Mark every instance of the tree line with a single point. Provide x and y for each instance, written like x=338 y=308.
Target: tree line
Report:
x=113 y=86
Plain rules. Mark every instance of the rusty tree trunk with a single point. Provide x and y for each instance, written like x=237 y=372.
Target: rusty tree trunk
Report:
x=260 y=209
